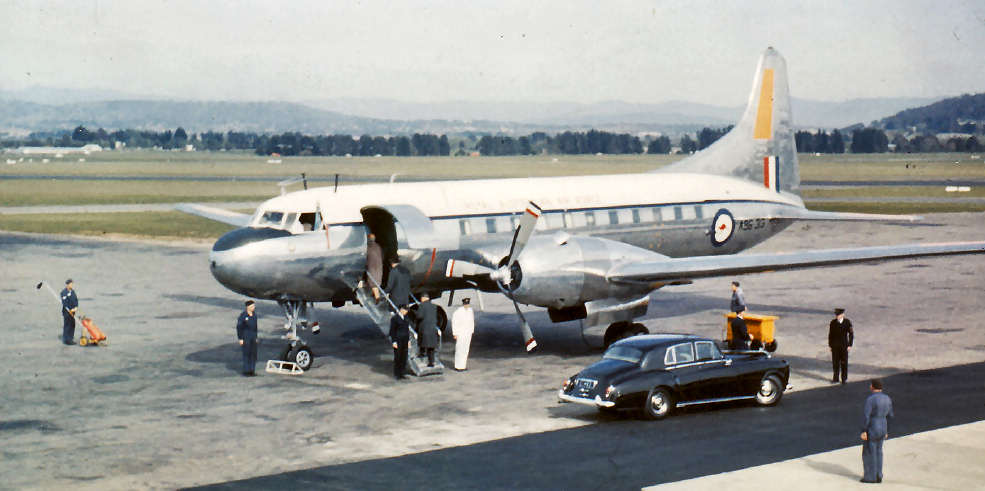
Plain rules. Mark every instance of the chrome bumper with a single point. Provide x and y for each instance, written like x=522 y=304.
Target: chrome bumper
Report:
x=597 y=402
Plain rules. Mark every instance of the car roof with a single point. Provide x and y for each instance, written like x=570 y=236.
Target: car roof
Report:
x=650 y=341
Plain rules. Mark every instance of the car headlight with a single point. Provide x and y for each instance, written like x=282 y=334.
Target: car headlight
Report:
x=610 y=392
x=567 y=384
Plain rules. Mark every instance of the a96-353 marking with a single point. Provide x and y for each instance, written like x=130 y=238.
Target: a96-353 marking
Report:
x=751 y=224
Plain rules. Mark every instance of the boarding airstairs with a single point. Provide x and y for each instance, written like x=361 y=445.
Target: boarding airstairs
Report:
x=381 y=312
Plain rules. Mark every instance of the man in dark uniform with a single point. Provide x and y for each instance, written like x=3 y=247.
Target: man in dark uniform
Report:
x=840 y=339
x=875 y=428
x=400 y=337
x=427 y=327
x=70 y=304
x=740 y=335
x=398 y=283
x=738 y=303
x=246 y=331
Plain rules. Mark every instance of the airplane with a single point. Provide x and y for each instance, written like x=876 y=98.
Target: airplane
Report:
x=588 y=248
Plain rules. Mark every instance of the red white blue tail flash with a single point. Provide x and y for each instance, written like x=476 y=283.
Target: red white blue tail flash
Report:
x=771 y=172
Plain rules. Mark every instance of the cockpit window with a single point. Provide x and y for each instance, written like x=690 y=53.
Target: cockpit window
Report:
x=271 y=219
x=623 y=353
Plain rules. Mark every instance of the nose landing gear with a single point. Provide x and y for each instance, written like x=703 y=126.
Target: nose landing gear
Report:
x=297 y=350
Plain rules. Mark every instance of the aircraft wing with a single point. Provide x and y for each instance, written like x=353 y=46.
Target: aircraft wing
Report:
x=212 y=213
x=686 y=268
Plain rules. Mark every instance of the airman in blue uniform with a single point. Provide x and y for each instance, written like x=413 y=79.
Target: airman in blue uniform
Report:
x=246 y=331
x=70 y=303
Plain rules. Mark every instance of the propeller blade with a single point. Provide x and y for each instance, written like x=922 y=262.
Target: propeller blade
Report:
x=528 y=336
x=523 y=231
x=460 y=269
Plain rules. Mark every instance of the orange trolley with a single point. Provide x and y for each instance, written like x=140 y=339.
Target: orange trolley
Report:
x=95 y=336
x=760 y=326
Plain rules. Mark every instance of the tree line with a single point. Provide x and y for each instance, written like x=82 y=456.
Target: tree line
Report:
x=859 y=140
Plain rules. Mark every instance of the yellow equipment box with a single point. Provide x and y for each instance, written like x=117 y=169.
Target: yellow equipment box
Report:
x=760 y=326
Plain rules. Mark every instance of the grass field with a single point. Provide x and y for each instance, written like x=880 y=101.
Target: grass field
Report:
x=230 y=165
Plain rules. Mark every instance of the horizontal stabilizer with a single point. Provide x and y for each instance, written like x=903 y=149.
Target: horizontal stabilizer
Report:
x=212 y=213
x=672 y=269
x=804 y=214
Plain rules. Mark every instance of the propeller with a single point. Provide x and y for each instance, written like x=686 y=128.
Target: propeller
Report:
x=508 y=274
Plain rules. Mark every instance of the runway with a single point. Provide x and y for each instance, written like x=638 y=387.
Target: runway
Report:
x=162 y=406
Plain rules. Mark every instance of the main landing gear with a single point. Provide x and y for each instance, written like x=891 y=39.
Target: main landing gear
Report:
x=622 y=330
x=297 y=350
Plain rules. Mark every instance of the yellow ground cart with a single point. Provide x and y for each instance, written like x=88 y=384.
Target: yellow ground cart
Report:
x=761 y=327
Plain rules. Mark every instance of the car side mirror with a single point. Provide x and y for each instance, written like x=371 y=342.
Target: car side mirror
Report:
x=728 y=362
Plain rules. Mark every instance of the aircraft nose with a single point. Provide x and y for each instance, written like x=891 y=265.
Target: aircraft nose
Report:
x=230 y=263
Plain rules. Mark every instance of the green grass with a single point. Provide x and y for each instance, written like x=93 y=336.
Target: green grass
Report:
x=895 y=207
x=161 y=225
x=26 y=192
x=891 y=192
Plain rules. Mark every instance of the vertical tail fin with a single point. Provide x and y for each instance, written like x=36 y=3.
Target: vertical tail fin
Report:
x=761 y=146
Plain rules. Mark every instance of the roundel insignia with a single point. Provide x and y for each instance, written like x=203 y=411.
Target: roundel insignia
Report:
x=722 y=227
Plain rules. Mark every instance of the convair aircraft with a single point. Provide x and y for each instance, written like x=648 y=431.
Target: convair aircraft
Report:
x=589 y=248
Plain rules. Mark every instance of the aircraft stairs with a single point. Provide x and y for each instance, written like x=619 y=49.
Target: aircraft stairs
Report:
x=418 y=365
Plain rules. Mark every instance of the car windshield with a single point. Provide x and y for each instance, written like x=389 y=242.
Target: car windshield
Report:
x=623 y=353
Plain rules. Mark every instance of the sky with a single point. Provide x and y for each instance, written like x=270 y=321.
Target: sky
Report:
x=489 y=51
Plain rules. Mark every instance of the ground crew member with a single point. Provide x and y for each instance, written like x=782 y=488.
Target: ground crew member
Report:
x=70 y=304
x=462 y=327
x=876 y=414
x=840 y=339
x=246 y=331
x=398 y=283
x=740 y=335
x=399 y=337
x=427 y=327
x=738 y=303
x=374 y=264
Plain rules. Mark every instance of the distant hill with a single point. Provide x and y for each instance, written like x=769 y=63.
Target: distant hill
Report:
x=964 y=114
x=44 y=108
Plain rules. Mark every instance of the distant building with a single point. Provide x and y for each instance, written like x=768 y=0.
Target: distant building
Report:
x=86 y=149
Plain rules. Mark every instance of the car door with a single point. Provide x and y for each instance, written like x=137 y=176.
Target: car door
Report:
x=718 y=372
x=680 y=361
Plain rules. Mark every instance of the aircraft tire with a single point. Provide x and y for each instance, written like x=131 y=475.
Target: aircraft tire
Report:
x=771 y=346
x=443 y=322
x=302 y=356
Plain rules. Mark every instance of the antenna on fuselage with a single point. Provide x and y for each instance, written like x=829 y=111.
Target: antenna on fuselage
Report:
x=336 y=183
x=294 y=180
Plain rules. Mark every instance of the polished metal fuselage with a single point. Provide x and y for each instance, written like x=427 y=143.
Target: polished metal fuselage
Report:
x=564 y=263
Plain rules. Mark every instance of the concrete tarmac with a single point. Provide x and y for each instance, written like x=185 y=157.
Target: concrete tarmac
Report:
x=162 y=405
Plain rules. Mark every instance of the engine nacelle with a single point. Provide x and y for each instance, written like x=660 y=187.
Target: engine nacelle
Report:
x=561 y=270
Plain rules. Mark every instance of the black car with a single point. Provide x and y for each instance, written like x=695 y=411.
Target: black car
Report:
x=660 y=372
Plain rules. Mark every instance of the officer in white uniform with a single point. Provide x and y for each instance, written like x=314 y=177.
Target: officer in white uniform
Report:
x=462 y=327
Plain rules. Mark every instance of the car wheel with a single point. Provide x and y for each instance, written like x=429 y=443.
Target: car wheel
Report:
x=658 y=404
x=770 y=391
x=771 y=346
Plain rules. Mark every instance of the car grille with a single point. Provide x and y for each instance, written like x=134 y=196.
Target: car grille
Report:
x=584 y=387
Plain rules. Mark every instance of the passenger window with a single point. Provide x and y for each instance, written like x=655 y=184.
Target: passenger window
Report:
x=590 y=218
x=463 y=227
x=491 y=225
x=636 y=216
x=707 y=351
x=613 y=218
x=678 y=213
x=698 y=212
x=669 y=357
x=684 y=353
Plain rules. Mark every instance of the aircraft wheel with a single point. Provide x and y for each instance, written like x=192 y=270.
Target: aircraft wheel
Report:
x=285 y=354
x=302 y=357
x=771 y=346
x=658 y=404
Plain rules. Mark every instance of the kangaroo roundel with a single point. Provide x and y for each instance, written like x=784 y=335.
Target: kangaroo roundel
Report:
x=722 y=227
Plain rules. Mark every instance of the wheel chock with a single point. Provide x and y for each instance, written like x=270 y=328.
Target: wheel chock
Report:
x=283 y=367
